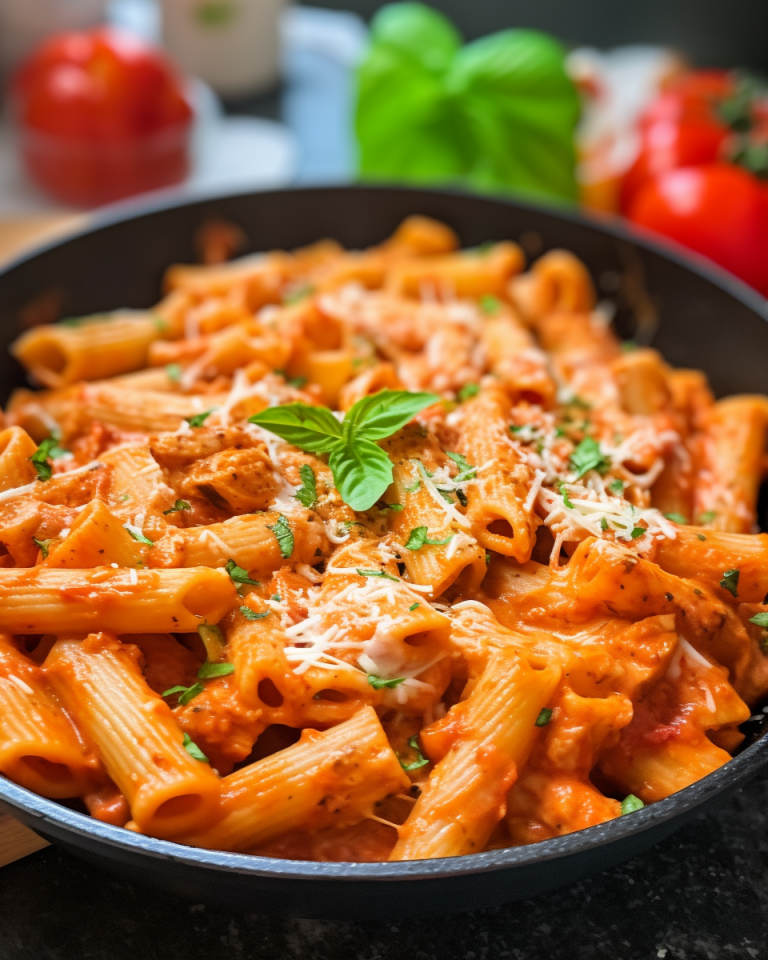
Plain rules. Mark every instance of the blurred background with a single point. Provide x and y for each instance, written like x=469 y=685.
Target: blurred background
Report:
x=656 y=112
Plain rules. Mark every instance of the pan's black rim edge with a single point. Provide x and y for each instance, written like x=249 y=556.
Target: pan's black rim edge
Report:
x=607 y=224
x=735 y=773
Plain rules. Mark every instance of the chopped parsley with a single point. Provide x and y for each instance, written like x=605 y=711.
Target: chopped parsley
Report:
x=137 y=535
x=394 y=507
x=193 y=750
x=730 y=581
x=489 y=304
x=238 y=575
x=466 y=472
x=676 y=517
x=420 y=761
x=603 y=524
x=199 y=418
x=419 y=536
x=252 y=615
x=185 y=693
x=210 y=670
x=701 y=536
x=379 y=683
x=545 y=715
x=616 y=486
x=564 y=494
x=588 y=456
x=178 y=507
x=44 y=546
x=638 y=532
x=284 y=534
x=376 y=573
x=630 y=804
x=48 y=449
x=413 y=606
x=307 y=492
x=413 y=487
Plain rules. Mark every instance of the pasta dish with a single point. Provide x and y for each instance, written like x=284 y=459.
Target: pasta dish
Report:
x=373 y=555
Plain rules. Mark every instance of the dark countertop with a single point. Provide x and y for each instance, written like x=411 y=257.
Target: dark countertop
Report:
x=703 y=893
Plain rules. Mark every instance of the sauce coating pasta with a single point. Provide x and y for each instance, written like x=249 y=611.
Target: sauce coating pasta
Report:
x=377 y=555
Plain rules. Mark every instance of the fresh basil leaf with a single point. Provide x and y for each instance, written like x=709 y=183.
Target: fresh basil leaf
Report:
x=676 y=518
x=282 y=531
x=760 y=619
x=252 y=615
x=379 y=683
x=638 y=532
x=199 y=418
x=193 y=750
x=466 y=472
x=44 y=546
x=380 y=415
x=404 y=118
x=213 y=641
x=730 y=581
x=210 y=670
x=177 y=507
x=307 y=492
x=361 y=472
x=314 y=429
x=238 y=575
x=588 y=456
x=516 y=80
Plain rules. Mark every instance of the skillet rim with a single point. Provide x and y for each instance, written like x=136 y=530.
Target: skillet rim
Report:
x=735 y=772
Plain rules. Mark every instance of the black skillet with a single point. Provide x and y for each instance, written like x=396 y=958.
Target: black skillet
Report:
x=694 y=313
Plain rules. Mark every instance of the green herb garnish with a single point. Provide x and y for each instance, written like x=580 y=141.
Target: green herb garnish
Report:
x=137 y=535
x=730 y=581
x=468 y=391
x=307 y=492
x=676 y=517
x=48 y=449
x=238 y=575
x=418 y=537
x=413 y=606
x=193 y=750
x=378 y=683
x=44 y=546
x=489 y=304
x=361 y=470
x=545 y=715
x=210 y=670
x=421 y=760
x=252 y=615
x=708 y=516
x=588 y=456
x=178 y=507
x=185 y=693
x=284 y=534
x=199 y=418
x=174 y=372
x=376 y=573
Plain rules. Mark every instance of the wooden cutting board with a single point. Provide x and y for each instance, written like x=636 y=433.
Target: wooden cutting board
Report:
x=16 y=235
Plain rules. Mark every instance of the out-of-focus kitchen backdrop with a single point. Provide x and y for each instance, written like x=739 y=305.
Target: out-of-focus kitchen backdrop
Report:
x=656 y=111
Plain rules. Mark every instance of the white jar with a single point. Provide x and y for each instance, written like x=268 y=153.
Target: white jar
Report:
x=25 y=23
x=231 y=44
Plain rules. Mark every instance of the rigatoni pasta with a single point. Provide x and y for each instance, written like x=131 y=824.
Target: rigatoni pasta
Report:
x=390 y=554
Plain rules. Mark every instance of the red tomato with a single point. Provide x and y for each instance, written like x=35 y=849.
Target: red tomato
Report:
x=669 y=144
x=102 y=115
x=717 y=210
